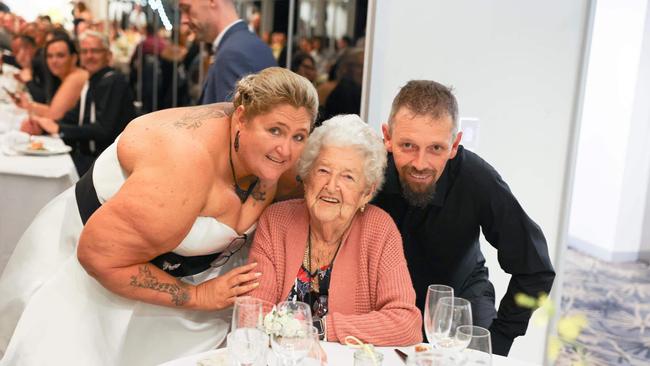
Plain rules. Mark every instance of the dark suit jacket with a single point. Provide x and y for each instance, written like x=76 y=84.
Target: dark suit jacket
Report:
x=110 y=92
x=239 y=53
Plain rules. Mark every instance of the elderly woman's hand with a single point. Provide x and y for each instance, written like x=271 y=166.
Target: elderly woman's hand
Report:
x=221 y=292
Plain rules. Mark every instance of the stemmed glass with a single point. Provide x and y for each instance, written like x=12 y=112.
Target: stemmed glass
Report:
x=247 y=342
x=434 y=294
x=295 y=340
x=451 y=313
x=247 y=313
x=316 y=355
x=478 y=342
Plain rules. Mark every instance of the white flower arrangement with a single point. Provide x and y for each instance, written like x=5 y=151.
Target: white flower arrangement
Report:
x=281 y=323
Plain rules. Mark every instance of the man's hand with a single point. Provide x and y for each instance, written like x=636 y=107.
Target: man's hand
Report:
x=31 y=127
x=220 y=293
x=47 y=124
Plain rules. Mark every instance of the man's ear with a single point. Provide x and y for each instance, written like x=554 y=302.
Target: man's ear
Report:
x=385 y=130
x=456 y=143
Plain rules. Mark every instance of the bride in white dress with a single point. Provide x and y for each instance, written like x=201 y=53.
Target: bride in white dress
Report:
x=141 y=260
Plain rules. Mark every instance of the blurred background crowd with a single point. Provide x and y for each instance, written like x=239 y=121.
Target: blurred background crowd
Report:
x=166 y=65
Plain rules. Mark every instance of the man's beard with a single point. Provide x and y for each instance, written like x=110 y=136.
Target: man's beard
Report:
x=420 y=195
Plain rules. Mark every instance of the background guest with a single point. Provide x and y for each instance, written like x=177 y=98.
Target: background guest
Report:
x=106 y=106
x=237 y=51
x=62 y=57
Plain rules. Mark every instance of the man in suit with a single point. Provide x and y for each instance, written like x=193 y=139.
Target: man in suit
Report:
x=103 y=111
x=238 y=52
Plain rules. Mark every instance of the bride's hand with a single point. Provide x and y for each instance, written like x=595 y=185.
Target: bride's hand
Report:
x=221 y=292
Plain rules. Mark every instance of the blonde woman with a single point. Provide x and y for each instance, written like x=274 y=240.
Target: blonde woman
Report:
x=138 y=264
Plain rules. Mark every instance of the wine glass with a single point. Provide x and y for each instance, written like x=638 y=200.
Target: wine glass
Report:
x=248 y=346
x=247 y=313
x=479 y=344
x=434 y=294
x=316 y=355
x=294 y=340
x=451 y=313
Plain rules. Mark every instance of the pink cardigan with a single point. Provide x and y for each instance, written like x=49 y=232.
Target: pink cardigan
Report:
x=371 y=295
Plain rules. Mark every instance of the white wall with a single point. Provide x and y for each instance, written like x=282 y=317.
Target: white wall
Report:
x=609 y=209
x=516 y=66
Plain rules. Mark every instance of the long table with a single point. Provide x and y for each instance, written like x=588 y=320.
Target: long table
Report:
x=337 y=355
x=27 y=184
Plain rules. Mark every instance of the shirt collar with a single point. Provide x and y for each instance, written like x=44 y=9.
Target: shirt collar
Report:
x=393 y=185
x=217 y=40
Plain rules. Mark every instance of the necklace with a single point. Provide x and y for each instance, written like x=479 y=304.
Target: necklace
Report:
x=311 y=276
x=239 y=191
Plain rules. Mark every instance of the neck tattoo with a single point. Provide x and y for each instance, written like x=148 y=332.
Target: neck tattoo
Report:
x=239 y=191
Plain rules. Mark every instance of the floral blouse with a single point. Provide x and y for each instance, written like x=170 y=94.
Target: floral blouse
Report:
x=313 y=289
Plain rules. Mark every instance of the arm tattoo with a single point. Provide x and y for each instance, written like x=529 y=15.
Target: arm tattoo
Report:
x=194 y=117
x=146 y=279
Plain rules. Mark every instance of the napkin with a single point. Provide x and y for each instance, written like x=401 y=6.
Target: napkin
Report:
x=10 y=139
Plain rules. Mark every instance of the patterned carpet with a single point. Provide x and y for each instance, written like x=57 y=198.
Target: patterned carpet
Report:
x=615 y=297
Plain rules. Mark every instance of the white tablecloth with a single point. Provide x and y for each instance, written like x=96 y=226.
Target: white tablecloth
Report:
x=339 y=355
x=27 y=183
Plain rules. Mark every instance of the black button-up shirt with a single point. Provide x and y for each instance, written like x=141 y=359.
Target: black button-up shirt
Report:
x=441 y=240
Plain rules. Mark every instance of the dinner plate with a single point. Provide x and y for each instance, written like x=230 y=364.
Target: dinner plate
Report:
x=46 y=151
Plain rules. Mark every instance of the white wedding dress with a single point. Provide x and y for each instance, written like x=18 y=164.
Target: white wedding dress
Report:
x=53 y=313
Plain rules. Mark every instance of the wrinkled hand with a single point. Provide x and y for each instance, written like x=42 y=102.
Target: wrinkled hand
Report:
x=31 y=127
x=221 y=292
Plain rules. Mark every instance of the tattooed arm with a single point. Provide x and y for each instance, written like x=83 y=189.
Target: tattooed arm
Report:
x=150 y=214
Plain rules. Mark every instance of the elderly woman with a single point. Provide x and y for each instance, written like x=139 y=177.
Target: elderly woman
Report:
x=334 y=251
x=137 y=264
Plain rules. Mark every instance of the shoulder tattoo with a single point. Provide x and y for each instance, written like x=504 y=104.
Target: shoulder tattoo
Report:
x=194 y=117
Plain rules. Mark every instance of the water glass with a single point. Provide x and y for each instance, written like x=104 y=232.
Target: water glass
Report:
x=451 y=313
x=291 y=348
x=248 y=346
x=316 y=355
x=479 y=344
x=434 y=294
x=247 y=313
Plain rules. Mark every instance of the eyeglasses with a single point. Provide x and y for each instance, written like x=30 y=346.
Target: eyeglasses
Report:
x=235 y=245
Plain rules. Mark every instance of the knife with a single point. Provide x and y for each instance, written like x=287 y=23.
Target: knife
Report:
x=401 y=355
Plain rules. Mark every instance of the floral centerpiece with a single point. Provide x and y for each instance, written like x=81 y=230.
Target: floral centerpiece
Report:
x=283 y=323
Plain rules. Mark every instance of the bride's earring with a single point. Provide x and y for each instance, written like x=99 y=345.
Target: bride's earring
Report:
x=236 y=143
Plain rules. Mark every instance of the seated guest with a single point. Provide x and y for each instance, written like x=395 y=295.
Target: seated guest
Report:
x=61 y=57
x=25 y=55
x=105 y=108
x=334 y=251
x=303 y=64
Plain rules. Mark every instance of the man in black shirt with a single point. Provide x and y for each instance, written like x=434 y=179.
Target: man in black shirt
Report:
x=103 y=111
x=441 y=196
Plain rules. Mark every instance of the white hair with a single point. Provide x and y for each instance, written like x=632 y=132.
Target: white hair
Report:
x=347 y=131
x=101 y=36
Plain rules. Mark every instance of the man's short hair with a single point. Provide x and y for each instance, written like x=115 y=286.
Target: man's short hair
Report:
x=426 y=98
x=101 y=36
